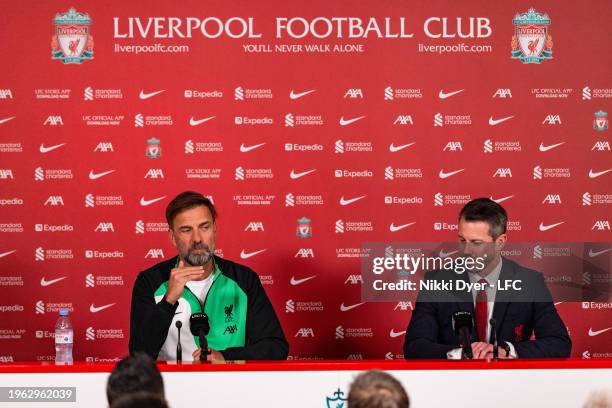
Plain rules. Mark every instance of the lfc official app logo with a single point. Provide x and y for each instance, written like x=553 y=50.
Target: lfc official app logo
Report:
x=531 y=42
x=72 y=43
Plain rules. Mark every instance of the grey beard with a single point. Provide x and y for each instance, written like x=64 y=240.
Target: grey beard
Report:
x=198 y=260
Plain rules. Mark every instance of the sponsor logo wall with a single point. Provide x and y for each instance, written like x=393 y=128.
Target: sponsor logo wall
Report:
x=312 y=135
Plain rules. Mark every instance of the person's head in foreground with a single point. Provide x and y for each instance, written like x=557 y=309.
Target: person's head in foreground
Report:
x=377 y=389
x=599 y=399
x=133 y=374
x=140 y=399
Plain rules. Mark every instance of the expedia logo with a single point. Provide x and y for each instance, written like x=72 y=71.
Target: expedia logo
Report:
x=11 y=308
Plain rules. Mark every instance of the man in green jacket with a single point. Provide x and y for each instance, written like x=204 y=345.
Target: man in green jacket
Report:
x=243 y=324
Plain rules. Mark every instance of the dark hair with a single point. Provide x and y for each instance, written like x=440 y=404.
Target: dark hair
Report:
x=377 y=389
x=134 y=373
x=485 y=209
x=140 y=399
x=185 y=201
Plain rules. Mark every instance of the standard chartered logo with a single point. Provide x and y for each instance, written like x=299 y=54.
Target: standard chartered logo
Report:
x=586 y=199
x=488 y=146
x=290 y=306
x=89 y=200
x=39 y=254
x=339 y=146
x=90 y=334
x=339 y=332
x=138 y=120
x=389 y=253
x=586 y=93
x=189 y=147
x=289 y=200
x=586 y=278
x=40 y=307
x=388 y=93
x=88 y=94
x=389 y=173
x=339 y=227
x=239 y=173
x=239 y=94
x=39 y=174
x=537 y=173
x=438 y=120
x=289 y=120
x=140 y=227
x=438 y=200
x=537 y=252
x=90 y=281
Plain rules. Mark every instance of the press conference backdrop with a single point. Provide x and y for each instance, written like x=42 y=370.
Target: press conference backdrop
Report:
x=313 y=127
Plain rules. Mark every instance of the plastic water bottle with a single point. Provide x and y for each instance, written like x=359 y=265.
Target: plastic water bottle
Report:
x=63 y=338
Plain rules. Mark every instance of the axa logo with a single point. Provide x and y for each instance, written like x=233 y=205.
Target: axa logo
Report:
x=154 y=174
x=552 y=120
x=6 y=94
x=305 y=332
x=504 y=172
x=54 y=200
x=503 y=93
x=255 y=226
x=105 y=227
x=304 y=253
x=404 y=305
x=53 y=120
x=104 y=147
x=6 y=174
x=453 y=147
x=353 y=93
x=552 y=199
x=231 y=329
x=155 y=253
x=353 y=280
x=601 y=146
x=601 y=225
x=403 y=120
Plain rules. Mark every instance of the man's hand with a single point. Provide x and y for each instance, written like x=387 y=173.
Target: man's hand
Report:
x=213 y=355
x=483 y=350
x=178 y=277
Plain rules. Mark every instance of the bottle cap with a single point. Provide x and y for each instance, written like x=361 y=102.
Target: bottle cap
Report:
x=64 y=312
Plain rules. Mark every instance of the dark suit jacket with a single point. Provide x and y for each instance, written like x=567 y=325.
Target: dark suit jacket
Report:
x=518 y=315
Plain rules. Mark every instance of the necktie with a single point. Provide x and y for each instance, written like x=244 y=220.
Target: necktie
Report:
x=481 y=312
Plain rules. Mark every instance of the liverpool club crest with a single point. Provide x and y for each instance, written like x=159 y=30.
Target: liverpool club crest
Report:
x=531 y=42
x=72 y=43
x=153 y=148
x=600 y=122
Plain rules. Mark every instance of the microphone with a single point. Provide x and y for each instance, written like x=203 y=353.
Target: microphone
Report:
x=494 y=331
x=179 y=349
x=462 y=325
x=199 y=326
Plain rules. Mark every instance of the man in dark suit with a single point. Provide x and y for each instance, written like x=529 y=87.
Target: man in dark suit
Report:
x=516 y=315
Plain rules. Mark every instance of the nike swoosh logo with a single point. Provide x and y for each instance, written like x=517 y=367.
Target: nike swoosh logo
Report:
x=394 y=228
x=501 y=200
x=547 y=227
x=44 y=282
x=247 y=255
x=394 y=334
x=593 y=254
x=245 y=149
x=347 y=308
x=294 y=95
x=593 y=174
x=446 y=254
x=444 y=175
x=344 y=122
x=145 y=203
x=144 y=95
x=95 y=176
x=196 y=122
x=393 y=148
x=295 y=175
x=443 y=95
x=94 y=309
x=598 y=332
x=343 y=201
x=6 y=119
x=494 y=122
x=294 y=281
x=2 y=255
x=547 y=148
x=44 y=149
